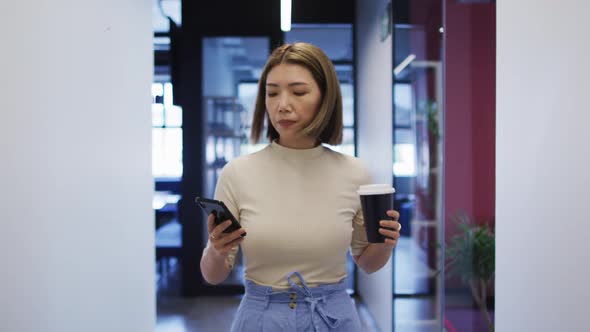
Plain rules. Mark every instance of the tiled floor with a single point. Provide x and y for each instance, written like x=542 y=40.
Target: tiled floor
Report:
x=197 y=314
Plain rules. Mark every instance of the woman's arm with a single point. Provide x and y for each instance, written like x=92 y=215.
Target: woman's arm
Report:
x=214 y=267
x=376 y=255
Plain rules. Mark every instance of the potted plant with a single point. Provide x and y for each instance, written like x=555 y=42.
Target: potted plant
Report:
x=471 y=257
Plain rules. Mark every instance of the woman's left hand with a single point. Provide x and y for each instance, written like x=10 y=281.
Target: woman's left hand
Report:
x=391 y=228
x=376 y=255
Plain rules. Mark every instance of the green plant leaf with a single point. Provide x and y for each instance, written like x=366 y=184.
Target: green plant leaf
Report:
x=471 y=252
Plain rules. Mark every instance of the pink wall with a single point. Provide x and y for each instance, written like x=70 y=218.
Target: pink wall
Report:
x=483 y=47
x=470 y=56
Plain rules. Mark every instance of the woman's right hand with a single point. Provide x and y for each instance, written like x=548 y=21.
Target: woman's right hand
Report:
x=223 y=243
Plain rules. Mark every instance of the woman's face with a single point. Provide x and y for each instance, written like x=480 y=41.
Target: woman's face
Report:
x=292 y=100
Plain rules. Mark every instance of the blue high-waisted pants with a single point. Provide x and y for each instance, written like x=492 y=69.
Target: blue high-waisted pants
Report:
x=300 y=308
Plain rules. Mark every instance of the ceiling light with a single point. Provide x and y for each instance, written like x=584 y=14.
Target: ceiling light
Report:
x=286 y=15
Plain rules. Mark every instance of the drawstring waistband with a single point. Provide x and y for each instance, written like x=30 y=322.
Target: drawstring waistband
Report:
x=268 y=295
x=330 y=320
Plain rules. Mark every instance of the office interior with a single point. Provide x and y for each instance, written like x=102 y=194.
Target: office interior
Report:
x=128 y=111
x=230 y=61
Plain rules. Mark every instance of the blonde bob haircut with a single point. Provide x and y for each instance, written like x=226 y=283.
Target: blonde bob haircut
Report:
x=326 y=126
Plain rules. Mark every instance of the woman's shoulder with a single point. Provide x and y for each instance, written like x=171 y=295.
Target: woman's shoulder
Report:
x=351 y=166
x=346 y=160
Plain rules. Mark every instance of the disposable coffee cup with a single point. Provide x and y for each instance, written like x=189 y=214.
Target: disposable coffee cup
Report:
x=376 y=200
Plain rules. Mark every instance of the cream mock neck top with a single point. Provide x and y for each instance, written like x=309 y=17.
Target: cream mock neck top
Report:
x=300 y=209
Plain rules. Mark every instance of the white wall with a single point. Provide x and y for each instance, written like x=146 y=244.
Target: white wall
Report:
x=76 y=230
x=375 y=135
x=542 y=166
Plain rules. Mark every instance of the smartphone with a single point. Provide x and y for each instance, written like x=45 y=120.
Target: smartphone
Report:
x=220 y=211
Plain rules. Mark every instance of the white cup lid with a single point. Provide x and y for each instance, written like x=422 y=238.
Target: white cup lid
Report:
x=376 y=189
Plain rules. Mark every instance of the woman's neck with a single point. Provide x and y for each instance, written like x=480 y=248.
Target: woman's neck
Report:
x=299 y=144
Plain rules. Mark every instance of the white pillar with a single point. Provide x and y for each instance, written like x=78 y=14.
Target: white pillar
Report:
x=76 y=225
x=542 y=166
x=375 y=135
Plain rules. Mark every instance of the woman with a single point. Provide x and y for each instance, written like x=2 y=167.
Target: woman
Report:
x=297 y=201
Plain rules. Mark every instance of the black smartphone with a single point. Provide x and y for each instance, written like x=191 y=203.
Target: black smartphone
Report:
x=220 y=211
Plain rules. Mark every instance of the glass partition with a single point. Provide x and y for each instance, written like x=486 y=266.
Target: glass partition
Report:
x=444 y=157
x=470 y=65
x=417 y=168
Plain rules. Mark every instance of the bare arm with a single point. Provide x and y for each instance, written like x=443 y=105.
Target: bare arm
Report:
x=213 y=263
x=376 y=255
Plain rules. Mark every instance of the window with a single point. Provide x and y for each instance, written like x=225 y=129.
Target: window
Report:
x=404 y=149
x=166 y=133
